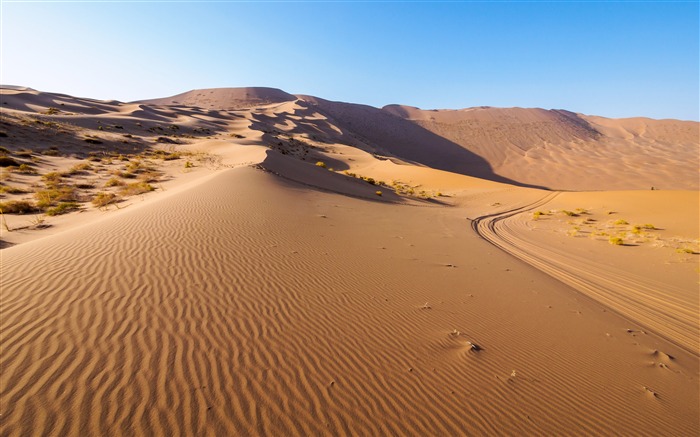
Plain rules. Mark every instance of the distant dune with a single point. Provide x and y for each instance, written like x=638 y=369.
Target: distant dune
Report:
x=243 y=261
x=563 y=150
x=225 y=98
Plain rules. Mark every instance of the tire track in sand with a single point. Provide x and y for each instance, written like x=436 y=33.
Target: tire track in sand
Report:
x=652 y=305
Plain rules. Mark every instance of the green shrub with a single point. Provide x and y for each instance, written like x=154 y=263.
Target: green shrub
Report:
x=62 y=208
x=103 y=199
x=50 y=196
x=17 y=207
x=369 y=180
x=81 y=168
x=52 y=179
x=114 y=182
x=11 y=190
x=26 y=169
x=136 y=188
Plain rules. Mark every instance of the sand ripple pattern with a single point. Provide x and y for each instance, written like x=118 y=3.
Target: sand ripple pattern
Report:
x=218 y=311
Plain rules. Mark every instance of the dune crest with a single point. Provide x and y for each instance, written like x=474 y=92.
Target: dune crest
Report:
x=225 y=98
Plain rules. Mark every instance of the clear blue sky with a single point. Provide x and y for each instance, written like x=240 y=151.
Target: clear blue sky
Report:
x=613 y=59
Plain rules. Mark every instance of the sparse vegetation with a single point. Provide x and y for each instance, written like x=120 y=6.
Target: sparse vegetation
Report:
x=115 y=182
x=103 y=199
x=81 y=168
x=616 y=241
x=621 y=222
x=51 y=196
x=62 y=208
x=52 y=179
x=17 y=207
x=321 y=164
x=378 y=193
x=11 y=190
x=26 y=169
x=136 y=188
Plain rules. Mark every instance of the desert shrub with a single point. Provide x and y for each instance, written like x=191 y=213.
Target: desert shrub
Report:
x=188 y=164
x=115 y=182
x=103 y=199
x=62 y=208
x=649 y=226
x=4 y=151
x=52 y=179
x=123 y=174
x=569 y=213
x=352 y=175
x=150 y=176
x=378 y=193
x=616 y=241
x=369 y=180
x=138 y=167
x=11 y=190
x=537 y=214
x=50 y=196
x=92 y=140
x=685 y=250
x=321 y=164
x=17 y=207
x=26 y=154
x=81 y=168
x=85 y=185
x=136 y=188
x=26 y=169
x=621 y=222
x=52 y=151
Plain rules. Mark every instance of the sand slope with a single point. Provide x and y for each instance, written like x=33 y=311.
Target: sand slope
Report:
x=249 y=305
x=566 y=151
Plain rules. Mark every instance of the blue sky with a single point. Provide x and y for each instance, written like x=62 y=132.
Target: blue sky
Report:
x=615 y=59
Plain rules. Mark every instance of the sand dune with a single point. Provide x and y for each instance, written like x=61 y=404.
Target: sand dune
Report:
x=225 y=98
x=315 y=271
x=566 y=151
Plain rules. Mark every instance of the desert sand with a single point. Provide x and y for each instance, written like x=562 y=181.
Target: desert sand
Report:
x=307 y=267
